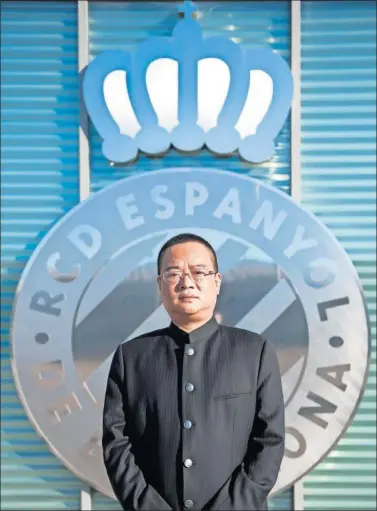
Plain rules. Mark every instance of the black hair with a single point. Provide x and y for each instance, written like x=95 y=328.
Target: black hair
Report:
x=184 y=238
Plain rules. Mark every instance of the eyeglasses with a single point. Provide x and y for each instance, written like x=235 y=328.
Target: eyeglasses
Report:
x=173 y=277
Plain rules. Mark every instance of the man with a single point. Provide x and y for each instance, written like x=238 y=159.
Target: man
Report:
x=194 y=413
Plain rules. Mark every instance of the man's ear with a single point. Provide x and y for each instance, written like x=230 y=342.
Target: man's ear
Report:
x=218 y=282
x=159 y=283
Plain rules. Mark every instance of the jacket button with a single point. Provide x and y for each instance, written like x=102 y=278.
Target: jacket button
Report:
x=188 y=463
x=187 y=424
x=189 y=387
x=190 y=352
x=189 y=503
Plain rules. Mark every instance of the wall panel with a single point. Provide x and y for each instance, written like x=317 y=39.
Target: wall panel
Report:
x=339 y=186
x=39 y=184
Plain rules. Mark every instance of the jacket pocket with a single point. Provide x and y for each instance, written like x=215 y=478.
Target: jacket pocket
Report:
x=233 y=395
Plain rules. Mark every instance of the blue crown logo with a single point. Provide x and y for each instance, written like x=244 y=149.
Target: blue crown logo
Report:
x=187 y=50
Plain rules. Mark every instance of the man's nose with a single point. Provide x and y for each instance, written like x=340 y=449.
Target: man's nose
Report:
x=186 y=281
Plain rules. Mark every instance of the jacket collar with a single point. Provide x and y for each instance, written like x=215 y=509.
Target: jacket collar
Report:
x=202 y=333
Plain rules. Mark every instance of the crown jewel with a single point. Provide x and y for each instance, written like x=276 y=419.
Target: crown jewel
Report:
x=191 y=54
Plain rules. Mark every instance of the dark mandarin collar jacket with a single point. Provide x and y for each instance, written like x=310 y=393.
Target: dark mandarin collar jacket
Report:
x=194 y=421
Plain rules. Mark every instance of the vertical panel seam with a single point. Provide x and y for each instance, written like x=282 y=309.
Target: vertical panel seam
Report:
x=86 y=500
x=298 y=487
x=296 y=103
x=84 y=158
x=83 y=60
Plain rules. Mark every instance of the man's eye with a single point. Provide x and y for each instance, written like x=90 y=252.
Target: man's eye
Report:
x=173 y=274
x=199 y=273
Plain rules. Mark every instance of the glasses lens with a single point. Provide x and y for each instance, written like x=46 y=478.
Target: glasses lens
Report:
x=173 y=276
x=199 y=275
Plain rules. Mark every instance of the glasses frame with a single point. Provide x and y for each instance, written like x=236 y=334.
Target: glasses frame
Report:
x=162 y=276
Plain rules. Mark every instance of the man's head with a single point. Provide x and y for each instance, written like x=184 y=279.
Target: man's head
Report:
x=188 y=278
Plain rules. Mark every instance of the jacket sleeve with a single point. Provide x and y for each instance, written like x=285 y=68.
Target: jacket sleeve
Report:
x=125 y=476
x=251 y=482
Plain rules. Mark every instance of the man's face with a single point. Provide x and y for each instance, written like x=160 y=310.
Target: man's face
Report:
x=187 y=298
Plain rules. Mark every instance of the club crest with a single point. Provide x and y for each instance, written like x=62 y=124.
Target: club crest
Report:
x=91 y=285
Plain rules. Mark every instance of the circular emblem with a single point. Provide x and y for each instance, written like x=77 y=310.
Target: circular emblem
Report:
x=91 y=284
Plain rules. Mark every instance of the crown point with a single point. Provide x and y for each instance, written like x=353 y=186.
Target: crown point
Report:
x=256 y=148
x=223 y=140
x=188 y=138
x=119 y=149
x=153 y=140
